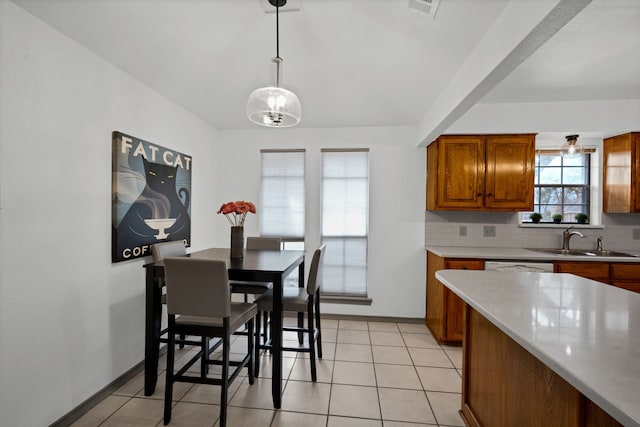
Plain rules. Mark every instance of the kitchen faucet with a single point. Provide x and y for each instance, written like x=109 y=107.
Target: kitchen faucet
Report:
x=566 y=237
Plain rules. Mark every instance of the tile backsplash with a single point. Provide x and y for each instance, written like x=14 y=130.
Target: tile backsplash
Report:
x=498 y=229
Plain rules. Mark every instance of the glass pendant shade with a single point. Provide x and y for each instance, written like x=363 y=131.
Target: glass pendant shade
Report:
x=273 y=106
x=571 y=147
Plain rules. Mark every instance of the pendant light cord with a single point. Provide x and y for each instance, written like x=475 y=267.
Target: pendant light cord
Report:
x=277 y=32
x=277 y=59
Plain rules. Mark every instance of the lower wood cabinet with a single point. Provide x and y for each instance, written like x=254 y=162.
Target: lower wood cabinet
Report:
x=444 y=309
x=626 y=276
x=590 y=270
x=622 y=275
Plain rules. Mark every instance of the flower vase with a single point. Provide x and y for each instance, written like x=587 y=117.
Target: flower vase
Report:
x=237 y=242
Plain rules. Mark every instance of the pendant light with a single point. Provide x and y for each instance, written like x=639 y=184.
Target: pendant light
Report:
x=274 y=106
x=571 y=147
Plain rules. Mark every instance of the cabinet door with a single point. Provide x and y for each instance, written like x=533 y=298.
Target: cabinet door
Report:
x=635 y=179
x=591 y=270
x=509 y=172
x=625 y=271
x=460 y=172
x=455 y=305
x=621 y=190
x=626 y=276
x=617 y=174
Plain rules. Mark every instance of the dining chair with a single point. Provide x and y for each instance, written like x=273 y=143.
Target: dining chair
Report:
x=299 y=300
x=256 y=288
x=247 y=288
x=160 y=251
x=199 y=304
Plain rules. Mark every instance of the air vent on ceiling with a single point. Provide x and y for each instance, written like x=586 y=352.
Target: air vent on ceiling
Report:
x=428 y=7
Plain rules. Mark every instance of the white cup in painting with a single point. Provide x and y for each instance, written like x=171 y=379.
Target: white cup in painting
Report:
x=160 y=225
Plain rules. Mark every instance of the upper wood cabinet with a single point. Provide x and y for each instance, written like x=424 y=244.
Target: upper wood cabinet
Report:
x=622 y=173
x=481 y=172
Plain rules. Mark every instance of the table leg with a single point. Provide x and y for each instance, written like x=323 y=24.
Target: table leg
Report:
x=276 y=342
x=153 y=312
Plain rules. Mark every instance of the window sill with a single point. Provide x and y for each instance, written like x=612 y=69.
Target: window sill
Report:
x=343 y=299
x=562 y=226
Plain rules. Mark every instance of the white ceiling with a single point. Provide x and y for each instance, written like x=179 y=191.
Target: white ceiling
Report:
x=351 y=62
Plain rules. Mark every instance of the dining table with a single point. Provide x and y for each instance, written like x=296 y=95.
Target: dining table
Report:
x=255 y=265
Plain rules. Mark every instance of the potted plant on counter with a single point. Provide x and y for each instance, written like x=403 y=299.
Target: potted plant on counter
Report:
x=557 y=218
x=582 y=218
x=535 y=217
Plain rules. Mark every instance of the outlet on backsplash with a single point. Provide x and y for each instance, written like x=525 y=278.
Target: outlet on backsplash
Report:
x=462 y=230
x=636 y=234
x=489 y=231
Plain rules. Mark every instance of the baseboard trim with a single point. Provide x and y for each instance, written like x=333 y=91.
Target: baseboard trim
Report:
x=77 y=412
x=373 y=318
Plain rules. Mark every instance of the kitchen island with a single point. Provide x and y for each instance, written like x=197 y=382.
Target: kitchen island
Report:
x=547 y=349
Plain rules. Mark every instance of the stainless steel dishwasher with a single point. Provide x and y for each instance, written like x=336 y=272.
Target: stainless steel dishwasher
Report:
x=539 y=267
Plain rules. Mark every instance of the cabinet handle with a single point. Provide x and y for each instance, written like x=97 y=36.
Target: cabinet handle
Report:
x=479 y=194
x=489 y=194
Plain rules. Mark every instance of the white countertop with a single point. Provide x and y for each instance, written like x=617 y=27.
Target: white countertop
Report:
x=519 y=254
x=585 y=331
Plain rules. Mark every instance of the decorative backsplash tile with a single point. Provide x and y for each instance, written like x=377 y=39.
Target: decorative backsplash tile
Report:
x=443 y=228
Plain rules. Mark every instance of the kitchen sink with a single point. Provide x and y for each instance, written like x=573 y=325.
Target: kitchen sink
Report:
x=584 y=252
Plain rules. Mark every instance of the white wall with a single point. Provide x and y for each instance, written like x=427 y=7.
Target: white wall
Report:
x=70 y=320
x=396 y=206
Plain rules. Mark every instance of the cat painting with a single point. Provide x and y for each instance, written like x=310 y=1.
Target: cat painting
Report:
x=159 y=213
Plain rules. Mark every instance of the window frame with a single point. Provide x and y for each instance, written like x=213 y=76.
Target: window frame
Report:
x=344 y=267
x=591 y=169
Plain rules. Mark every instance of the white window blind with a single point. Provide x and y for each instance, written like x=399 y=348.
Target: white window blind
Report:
x=282 y=196
x=345 y=221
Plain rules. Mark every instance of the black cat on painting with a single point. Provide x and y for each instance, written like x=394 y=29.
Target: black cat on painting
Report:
x=159 y=213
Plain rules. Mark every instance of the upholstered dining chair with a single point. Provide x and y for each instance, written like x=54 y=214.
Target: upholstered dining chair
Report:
x=247 y=288
x=199 y=303
x=256 y=288
x=299 y=300
x=160 y=251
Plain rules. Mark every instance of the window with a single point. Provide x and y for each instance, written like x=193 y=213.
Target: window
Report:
x=282 y=196
x=562 y=186
x=345 y=221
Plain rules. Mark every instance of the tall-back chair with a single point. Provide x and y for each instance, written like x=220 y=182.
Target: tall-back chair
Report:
x=199 y=303
x=256 y=288
x=160 y=251
x=299 y=300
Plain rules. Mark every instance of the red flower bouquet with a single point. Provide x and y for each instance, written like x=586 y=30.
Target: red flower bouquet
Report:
x=237 y=211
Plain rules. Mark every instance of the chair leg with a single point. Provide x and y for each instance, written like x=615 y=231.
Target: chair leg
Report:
x=168 y=389
x=319 y=338
x=204 y=366
x=300 y=327
x=312 y=344
x=256 y=358
x=182 y=338
x=266 y=321
x=250 y=338
x=225 y=379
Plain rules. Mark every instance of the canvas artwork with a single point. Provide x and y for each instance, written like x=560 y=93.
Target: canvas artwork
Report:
x=151 y=196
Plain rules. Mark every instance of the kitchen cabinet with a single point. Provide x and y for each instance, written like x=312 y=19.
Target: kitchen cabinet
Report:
x=444 y=310
x=481 y=172
x=626 y=276
x=621 y=190
x=622 y=275
x=591 y=270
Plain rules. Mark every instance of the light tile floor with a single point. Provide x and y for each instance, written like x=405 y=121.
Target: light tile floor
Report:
x=372 y=374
